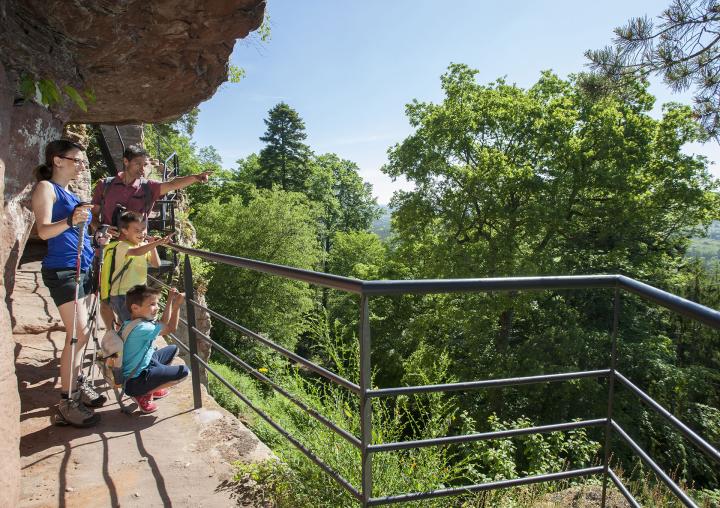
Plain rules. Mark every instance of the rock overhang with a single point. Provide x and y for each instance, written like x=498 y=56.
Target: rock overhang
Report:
x=143 y=60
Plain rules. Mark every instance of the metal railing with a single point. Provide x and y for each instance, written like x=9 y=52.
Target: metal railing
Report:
x=365 y=392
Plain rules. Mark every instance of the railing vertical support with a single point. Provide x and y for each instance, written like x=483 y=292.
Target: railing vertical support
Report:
x=192 y=338
x=365 y=402
x=611 y=395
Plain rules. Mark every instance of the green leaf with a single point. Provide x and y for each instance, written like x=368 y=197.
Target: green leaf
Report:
x=75 y=96
x=28 y=87
x=89 y=96
x=49 y=93
x=235 y=74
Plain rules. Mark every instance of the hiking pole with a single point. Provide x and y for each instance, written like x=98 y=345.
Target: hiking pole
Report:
x=94 y=316
x=78 y=264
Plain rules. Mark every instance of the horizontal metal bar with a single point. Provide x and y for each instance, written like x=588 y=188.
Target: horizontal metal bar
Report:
x=158 y=281
x=278 y=348
x=501 y=484
x=489 y=383
x=623 y=489
x=330 y=471
x=680 y=426
x=680 y=305
x=180 y=343
x=670 y=301
x=392 y=287
x=259 y=375
x=679 y=493
x=484 y=436
x=318 y=278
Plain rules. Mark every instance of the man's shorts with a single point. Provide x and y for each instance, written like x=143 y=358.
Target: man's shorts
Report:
x=61 y=283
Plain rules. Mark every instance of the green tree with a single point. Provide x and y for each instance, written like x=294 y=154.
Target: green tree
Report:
x=683 y=48
x=285 y=160
x=546 y=180
x=357 y=254
x=273 y=226
x=543 y=181
x=346 y=200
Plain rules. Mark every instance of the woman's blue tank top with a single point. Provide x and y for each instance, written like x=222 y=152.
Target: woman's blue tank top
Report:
x=62 y=249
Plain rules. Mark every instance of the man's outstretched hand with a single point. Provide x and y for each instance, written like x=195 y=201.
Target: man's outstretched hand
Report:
x=203 y=177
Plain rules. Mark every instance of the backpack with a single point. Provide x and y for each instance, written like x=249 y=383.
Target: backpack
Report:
x=108 y=275
x=111 y=361
x=144 y=183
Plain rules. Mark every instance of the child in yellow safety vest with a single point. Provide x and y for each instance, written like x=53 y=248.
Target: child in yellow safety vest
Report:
x=125 y=262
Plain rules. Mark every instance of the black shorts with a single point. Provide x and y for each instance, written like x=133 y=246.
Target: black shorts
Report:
x=61 y=283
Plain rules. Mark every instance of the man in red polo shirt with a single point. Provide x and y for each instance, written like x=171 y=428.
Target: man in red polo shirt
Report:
x=131 y=191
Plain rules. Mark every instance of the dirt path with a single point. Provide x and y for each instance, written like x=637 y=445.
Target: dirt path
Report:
x=176 y=456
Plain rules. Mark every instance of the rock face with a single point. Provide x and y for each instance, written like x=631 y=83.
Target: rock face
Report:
x=144 y=60
x=23 y=133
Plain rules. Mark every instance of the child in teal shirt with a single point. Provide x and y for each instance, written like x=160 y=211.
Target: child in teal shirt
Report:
x=148 y=373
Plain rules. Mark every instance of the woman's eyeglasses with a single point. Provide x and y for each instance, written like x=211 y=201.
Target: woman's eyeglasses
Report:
x=77 y=162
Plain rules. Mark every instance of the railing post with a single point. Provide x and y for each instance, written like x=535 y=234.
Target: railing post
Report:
x=611 y=394
x=192 y=338
x=365 y=402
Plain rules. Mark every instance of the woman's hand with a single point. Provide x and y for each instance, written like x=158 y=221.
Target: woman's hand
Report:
x=102 y=238
x=81 y=214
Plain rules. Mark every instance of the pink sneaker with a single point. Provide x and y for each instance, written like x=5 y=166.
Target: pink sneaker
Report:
x=159 y=394
x=145 y=403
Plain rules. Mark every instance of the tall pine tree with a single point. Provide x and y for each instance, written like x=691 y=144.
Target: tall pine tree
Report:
x=285 y=160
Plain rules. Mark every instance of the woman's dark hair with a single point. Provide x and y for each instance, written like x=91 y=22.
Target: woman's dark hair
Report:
x=57 y=148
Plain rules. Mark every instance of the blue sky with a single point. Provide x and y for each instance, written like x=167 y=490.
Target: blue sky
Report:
x=349 y=67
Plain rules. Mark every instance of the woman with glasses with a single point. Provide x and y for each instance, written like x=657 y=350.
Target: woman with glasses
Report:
x=57 y=213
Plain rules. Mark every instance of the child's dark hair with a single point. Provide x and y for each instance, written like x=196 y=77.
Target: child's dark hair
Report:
x=57 y=148
x=128 y=218
x=136 y=295
x=133 y=151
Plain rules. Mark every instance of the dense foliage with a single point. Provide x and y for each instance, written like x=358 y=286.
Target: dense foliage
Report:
x=508 y=181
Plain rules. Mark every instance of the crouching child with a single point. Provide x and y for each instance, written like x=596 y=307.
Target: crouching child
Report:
x=148 y=372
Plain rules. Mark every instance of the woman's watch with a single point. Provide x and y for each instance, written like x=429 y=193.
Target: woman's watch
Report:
x=69 y=220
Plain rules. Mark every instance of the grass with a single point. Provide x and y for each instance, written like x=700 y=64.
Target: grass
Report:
x=294 y=481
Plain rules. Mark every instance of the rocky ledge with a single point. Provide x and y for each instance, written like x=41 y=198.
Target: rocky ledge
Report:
x=144 y=60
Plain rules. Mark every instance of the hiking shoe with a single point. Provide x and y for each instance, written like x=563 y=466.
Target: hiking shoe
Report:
x=145 y=403
x=73 y=412
x=159 y=394
x=88 y=395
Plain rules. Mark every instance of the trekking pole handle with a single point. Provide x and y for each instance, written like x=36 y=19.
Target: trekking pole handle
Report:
x=81 y=240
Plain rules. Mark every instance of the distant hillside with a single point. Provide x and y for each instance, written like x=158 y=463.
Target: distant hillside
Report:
x=381 y=226
x=707 y=248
